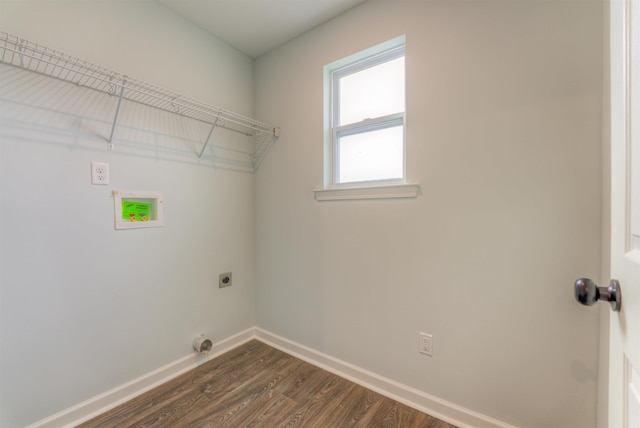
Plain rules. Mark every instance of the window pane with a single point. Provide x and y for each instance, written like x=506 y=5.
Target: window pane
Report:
x=374 y=155
x=374 y=92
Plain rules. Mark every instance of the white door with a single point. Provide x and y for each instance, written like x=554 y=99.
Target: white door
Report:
x=624 y=352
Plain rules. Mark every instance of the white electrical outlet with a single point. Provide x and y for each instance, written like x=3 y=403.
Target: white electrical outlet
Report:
x=99 y=173
x=426 y=344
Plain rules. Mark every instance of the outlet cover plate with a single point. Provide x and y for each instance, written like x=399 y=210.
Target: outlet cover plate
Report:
x=99 y=173
x=426 y=344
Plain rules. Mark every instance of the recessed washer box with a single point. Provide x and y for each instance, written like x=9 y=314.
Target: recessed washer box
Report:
x=136 y=209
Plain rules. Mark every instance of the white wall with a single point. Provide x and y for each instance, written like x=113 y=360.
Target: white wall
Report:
x=503 y=131
x=503 y=134
x=85 y=308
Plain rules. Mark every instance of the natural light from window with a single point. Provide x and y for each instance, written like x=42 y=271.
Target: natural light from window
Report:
x=373 y=92
x=375 y=155
x=368 y=119
x=365 y=138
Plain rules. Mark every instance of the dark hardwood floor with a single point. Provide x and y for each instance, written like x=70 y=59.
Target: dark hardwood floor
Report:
x=256 y=385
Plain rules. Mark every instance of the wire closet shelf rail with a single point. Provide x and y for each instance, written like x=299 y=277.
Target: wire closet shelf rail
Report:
x=39 y=59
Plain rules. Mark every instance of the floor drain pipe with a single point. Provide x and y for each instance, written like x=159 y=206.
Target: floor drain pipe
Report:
x=202 y=344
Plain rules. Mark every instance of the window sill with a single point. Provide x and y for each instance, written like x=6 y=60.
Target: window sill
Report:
x=369 y=192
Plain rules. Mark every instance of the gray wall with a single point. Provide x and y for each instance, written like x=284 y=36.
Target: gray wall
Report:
x=86 y=308
x=503 y=134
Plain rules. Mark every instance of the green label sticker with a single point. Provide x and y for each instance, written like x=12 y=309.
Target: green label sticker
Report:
x=135 y=211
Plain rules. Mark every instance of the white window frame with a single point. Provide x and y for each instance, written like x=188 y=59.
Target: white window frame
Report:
x=370 y=189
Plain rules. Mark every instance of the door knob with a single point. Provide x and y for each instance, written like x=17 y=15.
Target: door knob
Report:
x=588 y=293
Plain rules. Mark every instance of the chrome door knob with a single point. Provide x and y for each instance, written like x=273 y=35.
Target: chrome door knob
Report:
x=587 y=292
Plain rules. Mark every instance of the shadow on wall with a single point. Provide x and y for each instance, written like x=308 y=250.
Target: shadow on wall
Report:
x=39 y=108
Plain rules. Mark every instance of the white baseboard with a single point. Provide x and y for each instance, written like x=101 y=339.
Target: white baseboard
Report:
x=99 y=404
x=434 y=406
x=441 y=409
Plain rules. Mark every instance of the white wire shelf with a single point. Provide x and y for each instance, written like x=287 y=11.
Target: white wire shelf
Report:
x=44 y=61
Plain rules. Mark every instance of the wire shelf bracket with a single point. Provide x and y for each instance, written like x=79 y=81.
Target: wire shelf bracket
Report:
x=213 y=127
x=115 y=117
x=44 y=61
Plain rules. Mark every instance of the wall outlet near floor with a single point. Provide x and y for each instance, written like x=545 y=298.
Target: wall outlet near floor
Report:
x=426 y=344
x=224 y=280
x=99 y=173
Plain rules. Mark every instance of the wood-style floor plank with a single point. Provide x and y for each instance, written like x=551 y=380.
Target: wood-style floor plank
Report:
x=256 y=385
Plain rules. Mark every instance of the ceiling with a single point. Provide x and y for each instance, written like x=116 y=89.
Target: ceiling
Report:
x=258 y=26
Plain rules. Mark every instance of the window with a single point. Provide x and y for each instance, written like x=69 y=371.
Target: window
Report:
x=367 y=116
x=364 y=124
